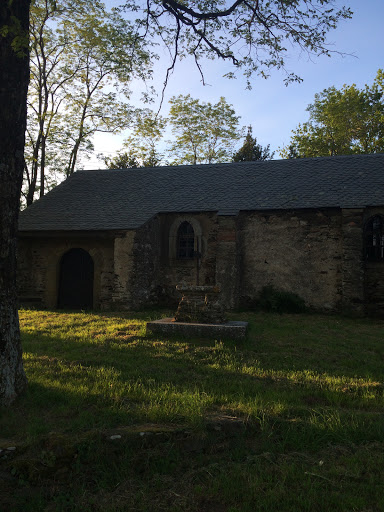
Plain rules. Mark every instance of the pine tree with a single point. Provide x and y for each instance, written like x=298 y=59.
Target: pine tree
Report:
x=251 y=150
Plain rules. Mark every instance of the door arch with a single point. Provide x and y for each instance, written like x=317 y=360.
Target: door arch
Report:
x=76 y=280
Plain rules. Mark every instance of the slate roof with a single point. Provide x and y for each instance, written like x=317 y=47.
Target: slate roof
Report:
x=126 y=198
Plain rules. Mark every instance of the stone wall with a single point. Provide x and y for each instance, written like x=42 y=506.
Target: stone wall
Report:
x=228 y=261
x=147 y=269
x=144 y=280
x=136 y=267
x=123 y=269
x=317 y=254
x=39 y=267
x=352 y=261
x=373 y=275
x=172 y=271
x=296 y=251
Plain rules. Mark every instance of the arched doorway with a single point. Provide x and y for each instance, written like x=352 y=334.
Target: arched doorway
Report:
x=76 y=280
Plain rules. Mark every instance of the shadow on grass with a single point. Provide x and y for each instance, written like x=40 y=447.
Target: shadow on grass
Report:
x=77 y=384
x=310 y=438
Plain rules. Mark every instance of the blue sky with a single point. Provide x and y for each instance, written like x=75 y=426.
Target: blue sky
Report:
x=271 y=108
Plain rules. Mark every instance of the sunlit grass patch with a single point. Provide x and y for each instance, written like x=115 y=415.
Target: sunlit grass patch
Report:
x=204 y=424
x=108 y=359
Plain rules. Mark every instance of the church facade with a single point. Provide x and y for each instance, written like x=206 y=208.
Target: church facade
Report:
x=123 y=239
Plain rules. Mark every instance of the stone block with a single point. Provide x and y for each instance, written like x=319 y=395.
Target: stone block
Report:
x=235 y=330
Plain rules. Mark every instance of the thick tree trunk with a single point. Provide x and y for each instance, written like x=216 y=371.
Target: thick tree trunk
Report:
x=14 y=77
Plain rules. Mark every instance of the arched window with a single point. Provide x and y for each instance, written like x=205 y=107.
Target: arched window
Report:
x=185 y=241
x=374 y=239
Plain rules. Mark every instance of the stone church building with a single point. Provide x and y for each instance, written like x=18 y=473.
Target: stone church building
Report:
x=123 y=239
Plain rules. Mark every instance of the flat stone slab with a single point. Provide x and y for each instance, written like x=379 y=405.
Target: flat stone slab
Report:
x=167 y=326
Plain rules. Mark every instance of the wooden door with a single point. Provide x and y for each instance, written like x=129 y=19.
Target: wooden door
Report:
x=76 y=280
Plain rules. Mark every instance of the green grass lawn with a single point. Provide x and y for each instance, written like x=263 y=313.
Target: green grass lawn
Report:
x=289 y=420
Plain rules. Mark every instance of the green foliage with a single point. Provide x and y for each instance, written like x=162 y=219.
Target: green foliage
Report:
x=18 y=36
x=141 y=145
x=203 y=132
x=132 y=159
x=83 y=59
x=342 y=122
x=123 y=160
x=279 y=301
x=251 y=150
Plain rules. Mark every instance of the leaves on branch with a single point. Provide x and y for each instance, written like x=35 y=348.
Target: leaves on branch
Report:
x=83 y=59
x=342 y=122
x=254 y=35
x=203 y=132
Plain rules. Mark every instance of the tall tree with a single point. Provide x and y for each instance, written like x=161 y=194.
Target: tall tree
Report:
x=45 y=91
x=342 y=122
x=14 y=74
x=203 y=132
x=110 y=55
x=251 y=150
x=81 y=67
x=210 y=28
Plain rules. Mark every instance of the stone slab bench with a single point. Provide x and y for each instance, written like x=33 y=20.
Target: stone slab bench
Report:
x=235 y=330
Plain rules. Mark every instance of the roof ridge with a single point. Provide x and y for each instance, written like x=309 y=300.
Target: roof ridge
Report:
x=228 y=164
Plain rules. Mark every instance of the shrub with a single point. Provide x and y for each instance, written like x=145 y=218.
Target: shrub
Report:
x=279 y=301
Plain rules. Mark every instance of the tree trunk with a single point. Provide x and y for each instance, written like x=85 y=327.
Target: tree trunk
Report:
x=14 y=77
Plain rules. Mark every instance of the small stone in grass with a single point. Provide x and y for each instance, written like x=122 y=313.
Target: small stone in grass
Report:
x=11 y=448
x=115 y=437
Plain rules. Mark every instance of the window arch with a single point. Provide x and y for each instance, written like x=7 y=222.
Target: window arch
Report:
x=180 y=230
x=185 y=244
x=374 y=239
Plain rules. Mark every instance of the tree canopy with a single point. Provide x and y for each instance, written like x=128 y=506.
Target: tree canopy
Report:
x=141 y=147
x=342 y=122
x=251 y=150
x=83 y=59
x=203 y=132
